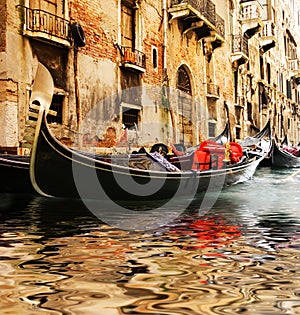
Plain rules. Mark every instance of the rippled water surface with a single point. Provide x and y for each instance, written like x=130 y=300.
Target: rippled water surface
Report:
x=240 y=257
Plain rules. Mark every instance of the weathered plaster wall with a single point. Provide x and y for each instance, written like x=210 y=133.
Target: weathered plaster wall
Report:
x=96 y=62
x=15 y=74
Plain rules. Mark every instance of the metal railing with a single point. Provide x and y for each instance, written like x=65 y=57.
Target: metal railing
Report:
x=36 y=20
x=133 y=56
x=208 y=10
x=240 y=44
x=220 y=26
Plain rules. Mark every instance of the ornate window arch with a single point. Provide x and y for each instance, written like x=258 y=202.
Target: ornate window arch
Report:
x=184 y=106
x=183 y=80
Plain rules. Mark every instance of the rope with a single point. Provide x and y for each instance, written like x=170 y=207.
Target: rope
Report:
x=288 y=177
x=291 y=176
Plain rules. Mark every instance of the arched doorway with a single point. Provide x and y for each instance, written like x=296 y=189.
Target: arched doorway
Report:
x=184 y=106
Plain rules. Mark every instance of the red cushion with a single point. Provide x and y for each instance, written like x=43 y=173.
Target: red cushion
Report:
x=201 y=160
x=236 y=152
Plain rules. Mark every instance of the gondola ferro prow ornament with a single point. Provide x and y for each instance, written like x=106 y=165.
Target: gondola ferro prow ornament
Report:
x=39 y=106
x=42 y=89
x=40 y=99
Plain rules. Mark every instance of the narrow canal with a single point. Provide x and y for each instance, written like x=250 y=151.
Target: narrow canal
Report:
x=239 y=257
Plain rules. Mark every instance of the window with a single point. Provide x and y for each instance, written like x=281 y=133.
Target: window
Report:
x=262 y=70
x=288 y=89
x=128 y=25
x=130 y=117
x=249 y=111
x=184 y=106
x=183 y=81
x=56 y=7
x=211 y=129
x=154 y=57
x=238 y=132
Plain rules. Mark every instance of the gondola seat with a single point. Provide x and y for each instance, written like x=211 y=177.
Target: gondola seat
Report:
x=210 y=155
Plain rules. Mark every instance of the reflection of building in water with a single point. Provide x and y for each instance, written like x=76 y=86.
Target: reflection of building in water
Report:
x=73 y=263
x=162 y=68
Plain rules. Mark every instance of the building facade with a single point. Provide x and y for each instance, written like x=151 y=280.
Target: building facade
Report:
x=161 y=69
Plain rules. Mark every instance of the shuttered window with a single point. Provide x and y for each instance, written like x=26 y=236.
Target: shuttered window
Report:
x=56 y=7
x=127 y=26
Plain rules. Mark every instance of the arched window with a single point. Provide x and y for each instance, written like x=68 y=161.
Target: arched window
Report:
x=183 y=80
x=154 y=57
x=184 y=104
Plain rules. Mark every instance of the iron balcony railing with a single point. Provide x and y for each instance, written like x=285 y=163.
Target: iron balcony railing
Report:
x=240 y=44
x=133 y=57
x=208 y=10
x=220 y=25
x=36 y=20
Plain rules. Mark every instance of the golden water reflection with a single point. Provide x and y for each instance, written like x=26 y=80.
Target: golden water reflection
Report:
x=170 y=271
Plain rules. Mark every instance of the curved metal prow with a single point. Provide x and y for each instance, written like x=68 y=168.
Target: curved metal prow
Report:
x=43 y=88
x=40 y=100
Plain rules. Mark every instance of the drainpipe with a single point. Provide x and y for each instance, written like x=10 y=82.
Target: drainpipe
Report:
x=165 y=73
x=77 y=95
x=165 y=21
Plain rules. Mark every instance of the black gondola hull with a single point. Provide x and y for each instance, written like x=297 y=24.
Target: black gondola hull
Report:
x=58 y=171
x=14 y=170
x=283 y=159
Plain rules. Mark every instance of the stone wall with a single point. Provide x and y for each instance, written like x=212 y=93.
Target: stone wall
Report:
x=3 y=14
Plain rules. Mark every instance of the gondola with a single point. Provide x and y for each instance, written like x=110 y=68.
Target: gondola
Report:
x=285 y=155
x=222 y=138
x=253 y=141
x=58 y=171
x=14 y=170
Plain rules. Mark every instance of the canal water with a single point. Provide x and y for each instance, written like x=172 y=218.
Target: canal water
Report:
x=241 y=256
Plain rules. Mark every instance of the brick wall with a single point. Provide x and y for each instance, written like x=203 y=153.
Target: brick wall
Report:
x=153 y=36
x=91 y=15
x=99 y=21
x=8 y=91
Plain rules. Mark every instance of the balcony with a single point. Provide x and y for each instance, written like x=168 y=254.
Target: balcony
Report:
x=293 y=65
x=250 y=17
x=199 y=16
x=43 y=25
x=267 y=37
x=133 y=59
x=213 y=91
x=296 y=78
x=240 y=51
